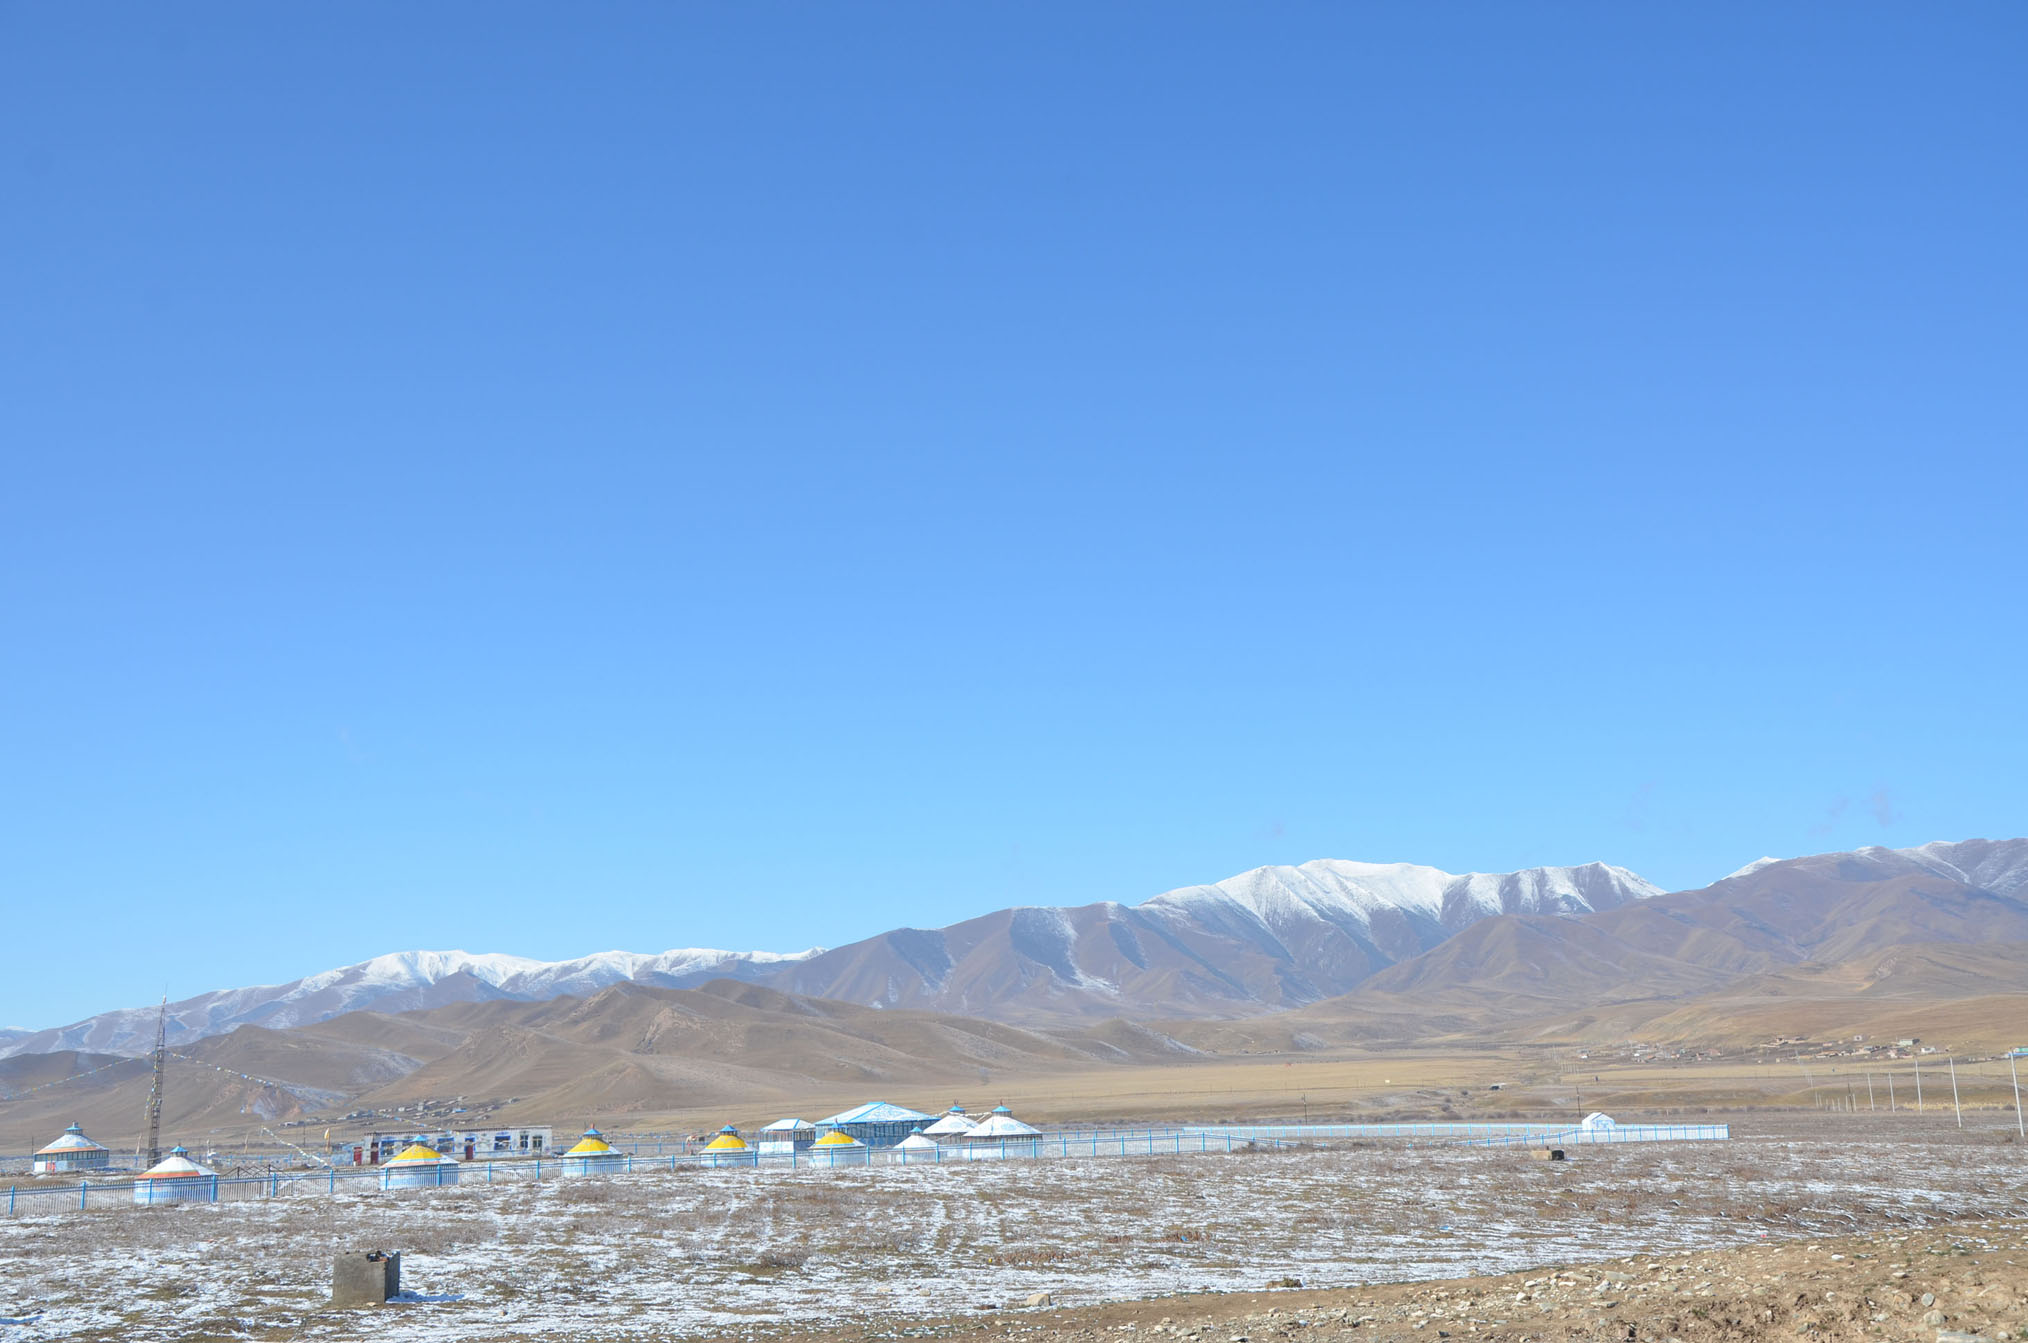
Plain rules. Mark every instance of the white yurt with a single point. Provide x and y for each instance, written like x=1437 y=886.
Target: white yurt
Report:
x=917 y=1146
x=72 y=1151
x=786 y=1137
x=727 y=1149
x=418 y=1167
x=1598 y=1126
x=998 y=1135
x=838 y=1148
x=176 y=1179
x=952 y=1125
x=593 y=1155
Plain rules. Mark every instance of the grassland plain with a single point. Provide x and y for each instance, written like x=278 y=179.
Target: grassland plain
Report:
x=885 y=1251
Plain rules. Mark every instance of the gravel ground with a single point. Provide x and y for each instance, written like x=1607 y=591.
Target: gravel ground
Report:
x=924 y=1250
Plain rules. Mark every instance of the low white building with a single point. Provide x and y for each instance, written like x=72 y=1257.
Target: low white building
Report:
x=785 y=1137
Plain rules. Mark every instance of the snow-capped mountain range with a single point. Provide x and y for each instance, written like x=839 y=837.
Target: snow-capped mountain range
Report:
x=1270 y=938
x=401 y=981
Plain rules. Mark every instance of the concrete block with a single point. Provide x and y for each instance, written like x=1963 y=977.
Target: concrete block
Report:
x=365 y=1278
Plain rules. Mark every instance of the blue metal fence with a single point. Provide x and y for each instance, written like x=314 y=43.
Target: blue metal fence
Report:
x=1166 y=1141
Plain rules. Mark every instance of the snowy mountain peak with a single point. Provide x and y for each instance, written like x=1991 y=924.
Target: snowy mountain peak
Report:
x=1338 y=891
x=399 y=981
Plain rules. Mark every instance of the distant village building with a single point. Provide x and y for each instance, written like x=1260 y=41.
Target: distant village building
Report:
x=71 y=1152
x=418 y=1167
x=176 y=1179
x=876 y=1123
x=465 y=1144
x=786 y=1137
x=593 y=1155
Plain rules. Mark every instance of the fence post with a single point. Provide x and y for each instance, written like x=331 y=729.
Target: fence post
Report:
x=214 y=1190
x=82 y=1186
x=10 y=1200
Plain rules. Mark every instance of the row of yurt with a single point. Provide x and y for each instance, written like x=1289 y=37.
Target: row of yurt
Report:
x=176 y=1179
x=72 y=1151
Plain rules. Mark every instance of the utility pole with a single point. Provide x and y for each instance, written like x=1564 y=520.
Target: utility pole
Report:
x=1869 y=1092
x=1954 y=1090
x=1918 y=1086
x=155 y=1090
x=2016 y=1073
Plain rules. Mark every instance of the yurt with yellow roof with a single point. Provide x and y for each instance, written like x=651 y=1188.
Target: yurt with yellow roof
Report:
x=839 y=1148
x=418 y=1167
x=72 y=1151
x=727 y=1148
x=593 y=1155
x=176 y=1179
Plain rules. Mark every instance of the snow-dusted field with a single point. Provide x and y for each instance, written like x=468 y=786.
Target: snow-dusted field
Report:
x=665 y=1255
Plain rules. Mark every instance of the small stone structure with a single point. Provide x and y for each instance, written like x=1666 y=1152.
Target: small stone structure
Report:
x=1547 y=1153
x=365 y=1279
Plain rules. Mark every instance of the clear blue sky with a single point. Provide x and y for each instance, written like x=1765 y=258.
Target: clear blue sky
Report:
x=541 y=479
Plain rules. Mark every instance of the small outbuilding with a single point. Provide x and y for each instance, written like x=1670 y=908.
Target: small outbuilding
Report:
x=839 y=1148
x=876 y=1123
x=786 y=1137
x=176 y=1179
x=72 y=1151
x=593 y=1155
x=727 y=1149
x=418 y=1167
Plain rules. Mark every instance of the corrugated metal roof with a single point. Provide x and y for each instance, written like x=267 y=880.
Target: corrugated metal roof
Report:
x=877 y=1112
x=788 y=1126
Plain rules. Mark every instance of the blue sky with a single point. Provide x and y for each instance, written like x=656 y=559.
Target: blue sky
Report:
x=657 y=475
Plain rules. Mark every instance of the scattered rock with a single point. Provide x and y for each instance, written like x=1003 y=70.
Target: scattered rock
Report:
x=1041 y=1299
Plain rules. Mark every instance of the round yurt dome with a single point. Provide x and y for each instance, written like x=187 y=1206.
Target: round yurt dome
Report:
x=593 y=1155
x=72 y=1150
x=176 y=1179
x=418 y=1167
x=839 y=1148
x=727 y=1149
x=918 y=1146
